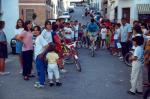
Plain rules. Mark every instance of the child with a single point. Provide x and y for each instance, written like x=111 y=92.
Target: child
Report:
x=52 y=58
x=80 y=36
x=103 y=34
x=116 y=39
x=84 y=36
x=108 y=37
x=137 y=67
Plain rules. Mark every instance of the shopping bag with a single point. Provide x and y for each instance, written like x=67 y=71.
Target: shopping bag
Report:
x=119 y=45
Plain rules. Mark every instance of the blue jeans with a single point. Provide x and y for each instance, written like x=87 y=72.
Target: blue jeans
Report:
x=27 y=57
x=40 y=66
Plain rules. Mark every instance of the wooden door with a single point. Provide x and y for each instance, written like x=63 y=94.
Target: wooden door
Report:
x=126 y=14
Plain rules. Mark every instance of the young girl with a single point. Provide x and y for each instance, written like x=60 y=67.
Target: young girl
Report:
x=108 y=37
x=116 y=39
x=3 y=49
x=103 y=35
x=52 y=58
x=137 y=67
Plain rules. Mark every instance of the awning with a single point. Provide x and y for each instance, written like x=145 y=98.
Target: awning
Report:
x=143 y=8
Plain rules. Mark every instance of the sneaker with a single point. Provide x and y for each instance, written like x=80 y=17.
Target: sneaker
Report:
x=51 y=84
x=58 y=84
x=4 y=73
x=26 y=78
x=131 y=93
x=31 y=75
x=37 y=82
x=114 y=54
x=63 y=71
x=20 y=72
x=37 y=85
x=121 y=58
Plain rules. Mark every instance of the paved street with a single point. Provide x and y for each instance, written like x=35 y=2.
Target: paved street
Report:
x=103 y=77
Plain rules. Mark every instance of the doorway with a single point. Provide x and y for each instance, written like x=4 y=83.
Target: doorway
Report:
x=126 y=14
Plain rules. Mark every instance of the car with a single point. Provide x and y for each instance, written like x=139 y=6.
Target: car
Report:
x=52 y=20
x=64 y=18
x=65 y=15
x=71 y=8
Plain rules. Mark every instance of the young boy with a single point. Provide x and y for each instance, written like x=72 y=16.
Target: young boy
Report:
x=52 y=58
x=137 y=67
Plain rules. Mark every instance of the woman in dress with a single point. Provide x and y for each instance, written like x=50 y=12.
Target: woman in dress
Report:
x=19 y=28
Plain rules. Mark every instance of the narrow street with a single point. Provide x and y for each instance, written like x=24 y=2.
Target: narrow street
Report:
x=103 y=77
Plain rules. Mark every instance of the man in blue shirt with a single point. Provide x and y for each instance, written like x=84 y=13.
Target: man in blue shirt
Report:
x=125 y=35
x=93 y=29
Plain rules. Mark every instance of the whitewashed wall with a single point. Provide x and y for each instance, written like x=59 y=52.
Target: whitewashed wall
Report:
x=55 y=7
x=133 y=6
x=10 y=15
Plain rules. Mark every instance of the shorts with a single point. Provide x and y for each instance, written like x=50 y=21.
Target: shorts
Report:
x=3 y=51
x=116 y=41
x=19 y=45
x=92 y=36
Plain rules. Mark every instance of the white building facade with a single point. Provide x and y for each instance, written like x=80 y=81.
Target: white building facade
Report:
x=66 y=4
x=10 y=14
x=130 y=9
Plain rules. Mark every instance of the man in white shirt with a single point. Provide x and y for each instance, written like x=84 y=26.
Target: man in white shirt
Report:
x=125 y=35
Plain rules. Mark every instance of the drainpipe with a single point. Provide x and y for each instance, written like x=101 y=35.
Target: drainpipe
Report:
x=1 y=10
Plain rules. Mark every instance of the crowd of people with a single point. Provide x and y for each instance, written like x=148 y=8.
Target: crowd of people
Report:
x=43 y=47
